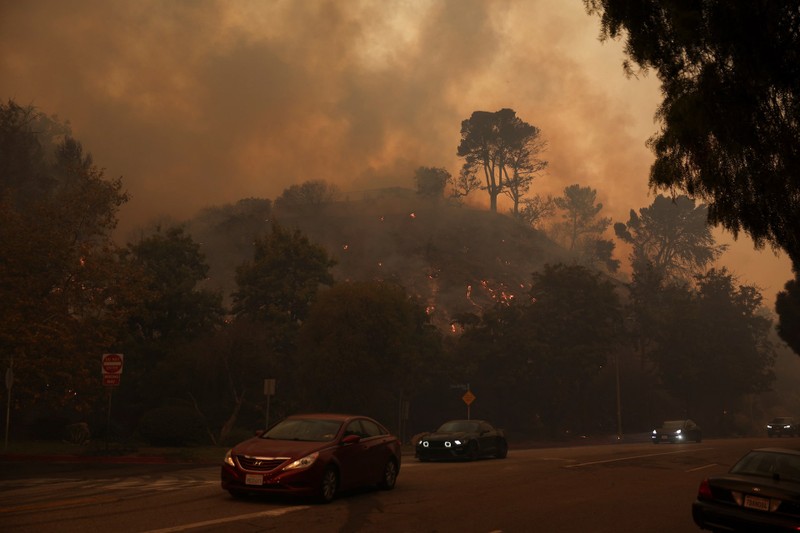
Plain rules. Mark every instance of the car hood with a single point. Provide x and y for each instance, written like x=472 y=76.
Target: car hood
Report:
x=448 y=435
x=258 y=447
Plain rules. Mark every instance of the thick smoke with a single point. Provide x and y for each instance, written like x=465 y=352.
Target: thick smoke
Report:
x=206 y=102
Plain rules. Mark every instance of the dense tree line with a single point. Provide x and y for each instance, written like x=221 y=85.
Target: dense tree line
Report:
x=540 y=364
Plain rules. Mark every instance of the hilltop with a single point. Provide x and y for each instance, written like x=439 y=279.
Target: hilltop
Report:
x=455 y=259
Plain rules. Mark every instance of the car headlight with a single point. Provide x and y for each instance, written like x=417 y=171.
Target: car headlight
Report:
x=786 y=427
x=229 y=458
x=679 y=432
x=304 y=462
x=655 y=432
x=458 y=442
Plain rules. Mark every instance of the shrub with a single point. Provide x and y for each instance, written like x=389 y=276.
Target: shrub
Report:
x=172 y=425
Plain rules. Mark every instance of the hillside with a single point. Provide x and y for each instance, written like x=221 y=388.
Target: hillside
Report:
x=455 y=259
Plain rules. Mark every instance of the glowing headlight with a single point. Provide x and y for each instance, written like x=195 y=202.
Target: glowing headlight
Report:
x=655 y=432
x=679 y=432
x=425 y=444
x=228 y=458
x=305 y=462
x=448 y=444
x=458 y=442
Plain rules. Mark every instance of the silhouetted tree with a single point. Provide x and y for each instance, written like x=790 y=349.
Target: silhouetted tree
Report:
x=712 y=345
x=431 y=181
x=672 y=236
x=730 y=76
x=582 y=228
x=787 y=305
x=279 y=284
x=363 y=346
x=494 y=143
x=308 y=195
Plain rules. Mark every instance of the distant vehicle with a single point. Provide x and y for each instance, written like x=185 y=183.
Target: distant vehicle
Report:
x=315 y=455
x=462 y=439
x=782 y=425
x=761 y=492
x=677 y=431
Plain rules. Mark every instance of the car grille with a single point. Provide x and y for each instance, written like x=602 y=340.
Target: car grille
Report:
x=260 y=464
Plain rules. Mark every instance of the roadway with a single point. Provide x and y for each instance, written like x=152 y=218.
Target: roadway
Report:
x=614 y=488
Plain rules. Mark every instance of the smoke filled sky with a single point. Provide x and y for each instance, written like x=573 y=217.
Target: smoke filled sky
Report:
x=201 y=103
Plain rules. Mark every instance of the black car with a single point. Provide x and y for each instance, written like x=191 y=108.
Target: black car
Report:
x=761 y=492
x=677 y=431
x=782 y=425
x=462 y=439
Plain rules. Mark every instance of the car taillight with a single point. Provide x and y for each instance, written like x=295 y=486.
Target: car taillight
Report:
x=704 y=492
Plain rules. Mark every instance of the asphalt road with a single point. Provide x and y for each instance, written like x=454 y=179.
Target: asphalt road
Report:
x=613 y=488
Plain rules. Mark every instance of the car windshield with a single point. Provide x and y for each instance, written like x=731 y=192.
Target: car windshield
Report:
x=783 y=466
x=673 y=424
x=307 y=429
x=458 y=426
x=782 y=421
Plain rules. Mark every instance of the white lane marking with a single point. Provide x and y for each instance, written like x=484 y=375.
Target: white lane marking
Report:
x=701 y=467
x=274 y=512
x=628 y=458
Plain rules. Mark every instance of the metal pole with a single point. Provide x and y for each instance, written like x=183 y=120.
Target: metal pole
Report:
x=108 y=418
x=267 y=420
x=619 y=403
x=9 y=383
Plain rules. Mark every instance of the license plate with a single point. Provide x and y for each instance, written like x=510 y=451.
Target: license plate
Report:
x=254 y=479
x=754 y=502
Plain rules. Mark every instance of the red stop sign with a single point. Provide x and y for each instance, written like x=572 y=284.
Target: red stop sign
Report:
x=112 y=363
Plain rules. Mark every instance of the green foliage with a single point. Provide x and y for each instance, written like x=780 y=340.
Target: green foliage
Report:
x=364 y=345
x=541 y=355
x=280 y=282
x=712 y=343
x=66 y=292
x=171 y=425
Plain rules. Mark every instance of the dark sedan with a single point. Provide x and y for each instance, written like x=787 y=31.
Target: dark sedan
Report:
x=462 y=439
x=782 y=425
x=677 y=431
x=761 y=492
x=315 y=455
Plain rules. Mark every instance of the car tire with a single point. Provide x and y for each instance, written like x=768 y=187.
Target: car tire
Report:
x=389 y=475
x=502 y=449
x=329 y=485
x=472 y=451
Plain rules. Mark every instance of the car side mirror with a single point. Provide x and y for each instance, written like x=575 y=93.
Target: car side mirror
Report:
x=350 y=439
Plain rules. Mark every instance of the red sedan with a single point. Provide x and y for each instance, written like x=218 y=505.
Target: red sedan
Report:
x=315 y=455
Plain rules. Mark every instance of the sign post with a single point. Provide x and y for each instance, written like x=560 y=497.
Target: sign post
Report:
x=9 y=384
x=112 y=373
x=468 y=399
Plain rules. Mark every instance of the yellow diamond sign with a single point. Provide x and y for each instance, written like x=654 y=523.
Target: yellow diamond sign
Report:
x=468 y=397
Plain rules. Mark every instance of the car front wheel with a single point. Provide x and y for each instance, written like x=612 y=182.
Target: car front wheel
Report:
x=502 y=450
x=389 y=475
x=329 y=485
